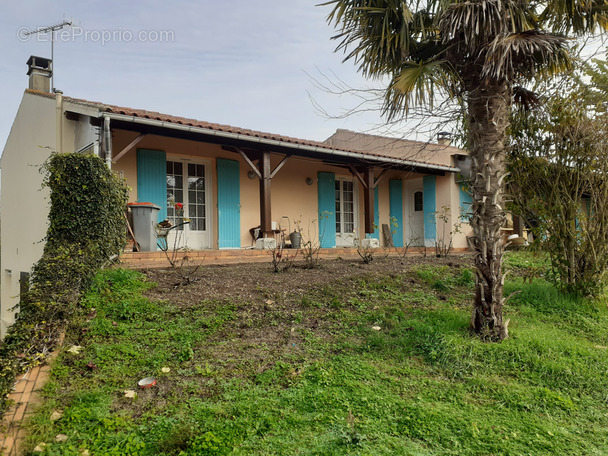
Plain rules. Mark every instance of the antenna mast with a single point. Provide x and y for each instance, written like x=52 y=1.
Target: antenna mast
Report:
x=52 y=29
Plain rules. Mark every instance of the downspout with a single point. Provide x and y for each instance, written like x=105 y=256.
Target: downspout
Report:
x=107 y=141
x=59 y=121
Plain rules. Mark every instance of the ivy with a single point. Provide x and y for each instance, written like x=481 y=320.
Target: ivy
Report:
x=87 y=203
x=86 y=229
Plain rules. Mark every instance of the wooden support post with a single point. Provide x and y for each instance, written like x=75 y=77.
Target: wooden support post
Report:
x=518 y=226
x=265 y=209
x=368 y=203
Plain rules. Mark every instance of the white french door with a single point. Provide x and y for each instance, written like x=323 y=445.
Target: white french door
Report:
x=188 y=198
x=346 y=212
x=414 y=212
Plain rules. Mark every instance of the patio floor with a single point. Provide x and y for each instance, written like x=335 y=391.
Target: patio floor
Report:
x=144 y=260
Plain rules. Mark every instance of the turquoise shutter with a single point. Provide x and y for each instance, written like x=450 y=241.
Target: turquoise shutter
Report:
x=395 y=193
x=376 y=233
x=466 y=200
x=429 y=184
x=228 y=204
x=327 y=209
x=152 y=179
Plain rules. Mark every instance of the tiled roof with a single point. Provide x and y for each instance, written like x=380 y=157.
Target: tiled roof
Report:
x=153 y=115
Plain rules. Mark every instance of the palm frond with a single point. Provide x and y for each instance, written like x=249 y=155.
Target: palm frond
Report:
x=522 y=16
x=472 y=22
x=525 y=99
x=419 y=83
x=526 y=54
x=379 y=35
x=575 y=16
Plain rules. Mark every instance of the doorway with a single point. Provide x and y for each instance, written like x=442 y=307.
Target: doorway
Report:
x=415 y=213
x=188 y=198
x=346 y=212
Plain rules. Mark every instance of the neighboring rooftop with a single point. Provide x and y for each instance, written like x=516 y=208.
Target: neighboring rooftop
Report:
x=394 y=147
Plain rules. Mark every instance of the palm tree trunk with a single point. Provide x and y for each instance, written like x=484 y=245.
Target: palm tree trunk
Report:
x=488 y=116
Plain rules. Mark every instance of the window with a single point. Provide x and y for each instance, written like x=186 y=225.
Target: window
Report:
x=196 y=197
x=466 y=198
x=175 y=190
x=418 y=202
x=345 y=207
x=192 y=197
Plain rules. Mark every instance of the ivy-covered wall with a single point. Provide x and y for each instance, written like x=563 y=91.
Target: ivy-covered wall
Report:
x=86 y=229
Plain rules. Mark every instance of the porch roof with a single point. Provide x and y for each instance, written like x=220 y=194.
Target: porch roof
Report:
x=151 y=122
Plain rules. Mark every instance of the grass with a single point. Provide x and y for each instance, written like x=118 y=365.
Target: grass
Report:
x=420 y=385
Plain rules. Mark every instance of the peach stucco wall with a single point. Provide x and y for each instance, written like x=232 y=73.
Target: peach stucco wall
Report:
x=293 y=200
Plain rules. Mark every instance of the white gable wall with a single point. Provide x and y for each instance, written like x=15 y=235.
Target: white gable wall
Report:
x=24 y=204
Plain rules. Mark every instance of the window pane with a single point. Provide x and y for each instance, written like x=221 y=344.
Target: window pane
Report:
x=179 y=181
x=418 y=202
x=174 y=192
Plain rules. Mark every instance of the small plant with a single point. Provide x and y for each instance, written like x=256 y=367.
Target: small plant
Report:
x=177 y=256
x=409 y=242
x=366 y=253
x=310 y=248
x=351 y=436
x=282 y=260
x=532 y=272
x=444 y=242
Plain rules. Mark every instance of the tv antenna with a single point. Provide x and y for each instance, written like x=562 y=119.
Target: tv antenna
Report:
x=52 y=29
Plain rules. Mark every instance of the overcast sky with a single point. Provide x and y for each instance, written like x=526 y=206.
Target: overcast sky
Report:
x=244 y=63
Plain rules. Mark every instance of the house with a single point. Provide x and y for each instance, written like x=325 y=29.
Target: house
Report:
x=228 y=179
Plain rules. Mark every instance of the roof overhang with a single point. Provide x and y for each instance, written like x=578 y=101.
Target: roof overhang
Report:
x=326 y=154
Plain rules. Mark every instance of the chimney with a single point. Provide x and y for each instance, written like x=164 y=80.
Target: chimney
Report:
x=40 y=70
x=444 y=138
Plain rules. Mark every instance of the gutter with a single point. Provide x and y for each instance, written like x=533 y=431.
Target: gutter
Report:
x=107 y=141
x=59 y=121
x=272 y=142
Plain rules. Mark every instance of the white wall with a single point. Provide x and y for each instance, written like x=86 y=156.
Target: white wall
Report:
x=24 y=204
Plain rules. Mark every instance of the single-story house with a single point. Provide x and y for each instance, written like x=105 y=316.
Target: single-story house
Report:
x=228 y=179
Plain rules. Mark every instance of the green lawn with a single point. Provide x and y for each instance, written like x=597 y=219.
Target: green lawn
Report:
x=420 y=385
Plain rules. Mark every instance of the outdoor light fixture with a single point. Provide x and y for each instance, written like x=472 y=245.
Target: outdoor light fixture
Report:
x=309 y=181
x=251 y=175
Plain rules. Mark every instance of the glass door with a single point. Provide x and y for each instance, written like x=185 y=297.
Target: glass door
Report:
x=187 y=201
x=346 y=207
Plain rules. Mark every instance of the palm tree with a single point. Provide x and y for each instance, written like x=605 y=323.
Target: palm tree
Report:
x=477 y=52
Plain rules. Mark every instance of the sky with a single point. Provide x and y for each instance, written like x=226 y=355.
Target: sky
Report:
x=249 y=64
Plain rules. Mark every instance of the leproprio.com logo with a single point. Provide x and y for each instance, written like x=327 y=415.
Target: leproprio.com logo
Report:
x=99 y=36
